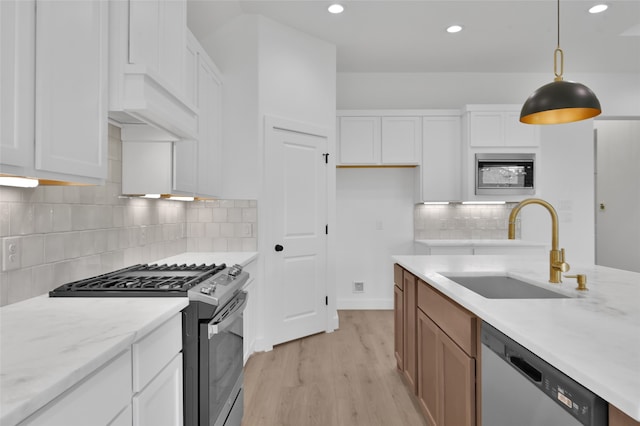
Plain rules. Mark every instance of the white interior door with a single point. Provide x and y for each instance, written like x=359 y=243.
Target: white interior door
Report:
x=618 y=194
x=296 y=268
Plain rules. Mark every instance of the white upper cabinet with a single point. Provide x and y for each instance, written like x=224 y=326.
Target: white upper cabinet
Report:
x=17 y=74
x=499 y=126
x=440 y=170
x=401 y=140
x=153 y=162
x=71 y=87
x=54 y=90
x=378 y=139
x=147 y=57
x=157 y=162
x=204 y=86
x=359 y=140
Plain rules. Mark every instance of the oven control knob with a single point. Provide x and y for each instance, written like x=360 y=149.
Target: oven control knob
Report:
x=235 y=270
x=207 y=290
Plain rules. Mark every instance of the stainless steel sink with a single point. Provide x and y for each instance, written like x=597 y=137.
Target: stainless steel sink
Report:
x=504 y=287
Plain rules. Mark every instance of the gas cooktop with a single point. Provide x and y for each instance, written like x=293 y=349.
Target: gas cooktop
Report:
x=141 y=281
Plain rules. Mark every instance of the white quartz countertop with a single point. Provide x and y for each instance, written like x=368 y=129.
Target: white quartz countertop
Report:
x=480 y=243
x=593 y=337
x=47 y=345
x=50 y=344
x=242 y=258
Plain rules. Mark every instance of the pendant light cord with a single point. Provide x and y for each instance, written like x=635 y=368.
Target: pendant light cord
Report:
x=558 y=15
x=558 y=53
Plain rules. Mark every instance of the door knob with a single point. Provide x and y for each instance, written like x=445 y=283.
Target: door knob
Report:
x=278 y=247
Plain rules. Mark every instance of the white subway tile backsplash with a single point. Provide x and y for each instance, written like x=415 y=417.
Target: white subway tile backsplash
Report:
x=234 y=215
x=457 y=221
x=220 y=214
x=32 y=252
x=227 y=230
x=73 y=232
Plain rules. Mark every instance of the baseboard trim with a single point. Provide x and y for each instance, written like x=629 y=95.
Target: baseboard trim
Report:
x=364 y=304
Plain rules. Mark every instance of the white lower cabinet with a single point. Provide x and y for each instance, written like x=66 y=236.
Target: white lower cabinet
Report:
x=98 y=400
x=160 y=403
x=142 y=386
x=125 y=418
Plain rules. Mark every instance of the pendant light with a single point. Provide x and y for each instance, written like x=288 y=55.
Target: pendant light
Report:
x=560 y=101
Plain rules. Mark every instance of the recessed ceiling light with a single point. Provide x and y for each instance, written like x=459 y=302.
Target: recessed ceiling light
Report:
x=454 y=29
x=336 y=8
x=598 y=8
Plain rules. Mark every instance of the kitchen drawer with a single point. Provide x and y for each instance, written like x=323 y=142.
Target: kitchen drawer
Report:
x=397 y=276
x=458 y=323
x=95 y=401
x=160 y=404
x=156 y=350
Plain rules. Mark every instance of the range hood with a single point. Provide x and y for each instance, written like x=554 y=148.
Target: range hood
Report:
x=155 y=162
x=147 y=72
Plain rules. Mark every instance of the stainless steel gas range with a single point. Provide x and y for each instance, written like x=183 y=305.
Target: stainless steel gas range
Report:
x=212 y=340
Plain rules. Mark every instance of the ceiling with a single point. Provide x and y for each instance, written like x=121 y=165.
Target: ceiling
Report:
x=410 y=36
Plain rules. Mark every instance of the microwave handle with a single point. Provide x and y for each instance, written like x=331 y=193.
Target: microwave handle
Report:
x=215 y=328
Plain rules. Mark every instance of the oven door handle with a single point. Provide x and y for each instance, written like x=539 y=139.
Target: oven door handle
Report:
x=216 y=327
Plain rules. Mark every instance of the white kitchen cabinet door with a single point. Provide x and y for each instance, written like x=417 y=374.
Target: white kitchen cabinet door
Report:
x=440 y=169
x=518 y=134
x=499 y=126
x=209 y=160
x=17 y=67
x=359 y=140
x=486 y=128
x=71 y=88
x=401 y=140
x=160 y=403
x=157 y=38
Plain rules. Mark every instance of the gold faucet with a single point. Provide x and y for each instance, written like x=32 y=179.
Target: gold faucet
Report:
x=557 y=265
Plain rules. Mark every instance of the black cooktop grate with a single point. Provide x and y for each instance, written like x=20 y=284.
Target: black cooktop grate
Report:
x=141 y=281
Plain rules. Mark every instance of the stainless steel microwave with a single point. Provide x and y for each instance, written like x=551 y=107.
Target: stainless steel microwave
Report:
x=505 y=174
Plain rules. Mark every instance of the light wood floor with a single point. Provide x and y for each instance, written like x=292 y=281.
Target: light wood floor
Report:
x=344 y=378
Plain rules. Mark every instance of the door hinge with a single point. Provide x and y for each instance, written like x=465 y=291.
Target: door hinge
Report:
x=326 y=229
x=326 y=300
x=326 y=158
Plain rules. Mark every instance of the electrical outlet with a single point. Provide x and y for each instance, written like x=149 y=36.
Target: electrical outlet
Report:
x=358 y=286
x=11 y=253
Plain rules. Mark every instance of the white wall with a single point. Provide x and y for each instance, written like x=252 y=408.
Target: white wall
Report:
x=297 y=76
x=619 y=94
x=566 y=180
x=374 y=221
x=270 y=70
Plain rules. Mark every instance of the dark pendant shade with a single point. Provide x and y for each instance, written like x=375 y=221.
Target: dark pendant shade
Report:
x=560 y=102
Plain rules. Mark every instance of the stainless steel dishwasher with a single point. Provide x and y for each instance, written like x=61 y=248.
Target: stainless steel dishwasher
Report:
x=519 y=388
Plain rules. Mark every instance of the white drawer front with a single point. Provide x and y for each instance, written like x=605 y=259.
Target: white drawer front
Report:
x=156 y=350
x=160 y=403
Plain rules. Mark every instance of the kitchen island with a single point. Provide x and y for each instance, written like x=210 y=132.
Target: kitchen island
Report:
x=592 y=336
x=49 y=346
